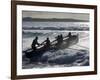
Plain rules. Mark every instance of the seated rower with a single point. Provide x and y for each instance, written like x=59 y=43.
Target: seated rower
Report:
x=69 y=34
x=34 y=43
x=59 y=40
x=47 y=43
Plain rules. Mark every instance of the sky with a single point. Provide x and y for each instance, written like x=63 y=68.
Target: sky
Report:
x=64 y=15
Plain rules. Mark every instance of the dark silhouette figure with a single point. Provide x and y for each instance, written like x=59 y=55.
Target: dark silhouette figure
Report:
x=47 y=43
x=59 y=40
x=69 y=34
x=34 y=43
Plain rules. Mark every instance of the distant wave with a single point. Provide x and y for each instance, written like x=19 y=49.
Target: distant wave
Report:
x=33 y=33
x=79 y=26
x=71 y=28
x=30 y=34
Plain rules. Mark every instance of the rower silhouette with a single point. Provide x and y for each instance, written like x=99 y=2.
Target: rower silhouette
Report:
x=34 y=43
x=47 y=43
x=69 y=34
x=59 y=40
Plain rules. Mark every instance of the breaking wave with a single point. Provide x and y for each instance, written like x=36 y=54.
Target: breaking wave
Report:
x=60 y=58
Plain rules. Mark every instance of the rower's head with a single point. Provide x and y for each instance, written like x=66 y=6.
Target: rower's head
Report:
x=36 y=37
x=47 y=38
x=69 y=32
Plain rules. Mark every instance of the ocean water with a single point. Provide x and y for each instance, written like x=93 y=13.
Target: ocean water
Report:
x=76 y=55
x=55 y=24
x=76 y=26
